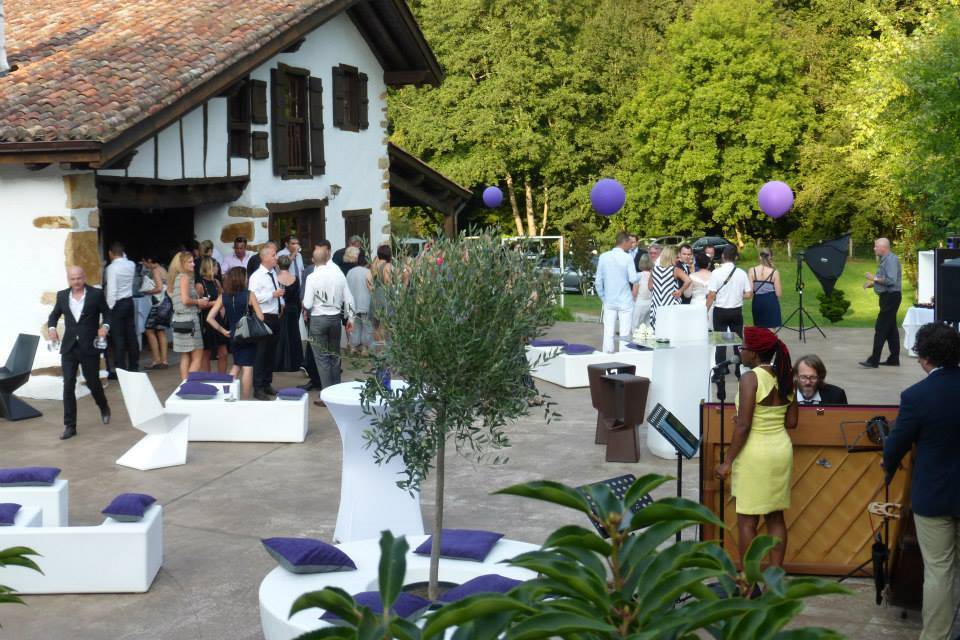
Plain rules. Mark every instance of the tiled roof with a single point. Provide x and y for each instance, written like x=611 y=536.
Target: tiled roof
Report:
x=88 y=69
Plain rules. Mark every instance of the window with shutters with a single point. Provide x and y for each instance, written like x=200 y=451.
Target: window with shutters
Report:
x=238 y=109
x=297 y=123
x=350 y=102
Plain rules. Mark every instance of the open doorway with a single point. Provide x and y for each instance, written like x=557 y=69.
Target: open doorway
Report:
x=156 y=233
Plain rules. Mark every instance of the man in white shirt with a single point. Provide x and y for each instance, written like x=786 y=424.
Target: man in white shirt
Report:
x=614 y=281
x=292 y=249
x=263 y=284
x=239 y=258
x=729 y=286
x=326 y=300
x=119 y=292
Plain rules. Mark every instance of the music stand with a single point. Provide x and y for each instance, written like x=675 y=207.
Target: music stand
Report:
x=684 y=443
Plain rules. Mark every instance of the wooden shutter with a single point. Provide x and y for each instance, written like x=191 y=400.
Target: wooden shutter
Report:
x=278 y=112
x=258 y=99
x=317 y=159
x=261 y=148
x=238 y=121
x=340 y=88
x=364 y=101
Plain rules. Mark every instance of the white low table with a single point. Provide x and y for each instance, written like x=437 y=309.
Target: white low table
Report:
x=223 y=420
x=916 y=317
x=280 y=588
x=370 y=500
x=570 y=371
x=53 y=501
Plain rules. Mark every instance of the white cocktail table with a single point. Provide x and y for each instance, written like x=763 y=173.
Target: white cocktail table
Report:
x=370 y=500
x=280 y=588
x=916 y=317
x=570 y=371
x=225 y=419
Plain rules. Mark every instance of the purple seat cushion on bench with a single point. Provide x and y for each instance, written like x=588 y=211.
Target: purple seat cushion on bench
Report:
x=578 y=349
x=209 y=376
x=405 y=605
x=307 y=555
x=8 y=513
x=462 y=544
x=548 y=342
x=28 y=476
x=129 y=507
x=196 y=391
x=488 y=583
x=290 y=393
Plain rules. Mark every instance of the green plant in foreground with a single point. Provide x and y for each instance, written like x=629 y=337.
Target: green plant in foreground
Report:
x=637 y=584
x=833 y=305
x=16 y=557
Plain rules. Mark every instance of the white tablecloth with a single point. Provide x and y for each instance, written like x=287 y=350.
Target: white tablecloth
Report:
x=370 y=500
x=916 y=317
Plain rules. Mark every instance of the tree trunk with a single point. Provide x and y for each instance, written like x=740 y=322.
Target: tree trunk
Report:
x=528 y=193
x=433 y=591
x=513 y=205
x=546 y=209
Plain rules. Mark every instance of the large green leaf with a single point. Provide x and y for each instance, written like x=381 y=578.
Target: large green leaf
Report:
x=642 y=486
x=550 y=625
x=344 y=633
x=809 y=633
x=699 y=615
x=806 y=587
x=470 y=610
x=756 y=552
x=578 y=537
x=668 y=589
x=17 y=557
x=667 y=509
x=393 y=567
x=332 y=599
x=549 y=491
x=566 y=573
x=607 y=504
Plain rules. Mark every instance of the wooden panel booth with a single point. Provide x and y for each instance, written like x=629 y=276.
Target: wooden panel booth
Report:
x=830 y=531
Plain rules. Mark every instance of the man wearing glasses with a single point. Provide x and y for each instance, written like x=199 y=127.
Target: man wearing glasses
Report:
x=811 y=374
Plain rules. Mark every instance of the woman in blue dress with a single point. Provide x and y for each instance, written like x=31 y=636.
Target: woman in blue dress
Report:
x=234 y=302
x=765 y=282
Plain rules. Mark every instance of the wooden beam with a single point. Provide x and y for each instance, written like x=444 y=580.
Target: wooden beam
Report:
x=420 y=195
x=400 y=78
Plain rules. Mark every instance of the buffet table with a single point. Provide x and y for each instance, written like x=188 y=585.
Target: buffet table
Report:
x=916 y=317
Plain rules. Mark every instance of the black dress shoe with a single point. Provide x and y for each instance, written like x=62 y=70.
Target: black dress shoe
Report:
x=260 y=394
x=309 y=386
x=269 y=389
x=105 y=417
x=68 y=432
x=890 y=363
x=866 y=364
x=112 y=375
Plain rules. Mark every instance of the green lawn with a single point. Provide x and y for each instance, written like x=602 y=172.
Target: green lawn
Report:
x=863 y=302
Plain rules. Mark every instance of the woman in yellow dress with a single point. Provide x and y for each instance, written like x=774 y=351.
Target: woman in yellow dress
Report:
x=761 y=453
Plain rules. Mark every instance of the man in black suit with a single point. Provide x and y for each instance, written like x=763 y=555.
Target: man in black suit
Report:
x=928 y=419
x=81 y=307
x=811 y=383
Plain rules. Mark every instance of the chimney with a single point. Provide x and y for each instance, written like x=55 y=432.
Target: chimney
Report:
x=4 y=65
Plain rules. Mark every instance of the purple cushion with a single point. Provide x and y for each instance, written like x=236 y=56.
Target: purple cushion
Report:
x=638 y=347
x=196 y=391
x=405 y=605
x=488 y=583
x=28 y=476
x=306 y=555
x=548 y=342
x=129 y=507
x=209 y=376
x=8 y=513
x=290 y=393
x=462 y=544
x=578 y=349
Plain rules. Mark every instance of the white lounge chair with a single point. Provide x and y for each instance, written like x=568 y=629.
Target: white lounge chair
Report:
x=165 y=444
x=113 y=557
x=52 y=501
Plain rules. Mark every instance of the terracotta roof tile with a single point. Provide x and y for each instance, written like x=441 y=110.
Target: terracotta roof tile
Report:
x=88 y=69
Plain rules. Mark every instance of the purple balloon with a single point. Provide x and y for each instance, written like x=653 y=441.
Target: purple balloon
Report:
x=775 y=198
x=492 y=197
x=607 y=196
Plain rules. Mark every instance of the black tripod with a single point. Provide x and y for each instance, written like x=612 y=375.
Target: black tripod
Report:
x=800 y=312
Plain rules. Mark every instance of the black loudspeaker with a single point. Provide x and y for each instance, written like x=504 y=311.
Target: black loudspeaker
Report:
x=946 y=286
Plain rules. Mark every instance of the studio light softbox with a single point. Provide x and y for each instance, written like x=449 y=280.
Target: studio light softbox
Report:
x=827 y=260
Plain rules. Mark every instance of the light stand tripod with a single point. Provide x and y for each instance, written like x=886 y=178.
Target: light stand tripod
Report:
x=800 y=312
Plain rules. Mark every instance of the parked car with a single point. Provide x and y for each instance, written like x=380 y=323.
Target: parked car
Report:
x=573 y=280
x=666 y=241
x=717 y=242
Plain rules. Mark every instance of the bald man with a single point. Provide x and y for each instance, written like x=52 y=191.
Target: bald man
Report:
x=887 y=285
x=82 y=307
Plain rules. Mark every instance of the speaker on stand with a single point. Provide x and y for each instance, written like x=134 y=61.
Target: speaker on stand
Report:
x=946 y=286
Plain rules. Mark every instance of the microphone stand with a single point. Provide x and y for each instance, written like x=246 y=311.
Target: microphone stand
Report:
x=719 y=377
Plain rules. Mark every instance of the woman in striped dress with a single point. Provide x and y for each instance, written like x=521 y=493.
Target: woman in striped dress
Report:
x=667 y=282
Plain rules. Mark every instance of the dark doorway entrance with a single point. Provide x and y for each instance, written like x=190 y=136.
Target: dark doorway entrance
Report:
x=307 y=224
x=156 y=233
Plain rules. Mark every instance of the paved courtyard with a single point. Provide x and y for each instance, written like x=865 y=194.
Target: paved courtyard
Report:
x=228 y=496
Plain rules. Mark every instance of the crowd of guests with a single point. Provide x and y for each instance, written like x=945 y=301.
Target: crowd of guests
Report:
x=194 y=303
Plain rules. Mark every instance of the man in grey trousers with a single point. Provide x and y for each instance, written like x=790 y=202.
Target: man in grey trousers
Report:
x=326 y=300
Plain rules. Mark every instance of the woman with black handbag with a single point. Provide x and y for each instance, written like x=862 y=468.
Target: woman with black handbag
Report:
x=187 y=338
x=236 y=303
x=161 y=313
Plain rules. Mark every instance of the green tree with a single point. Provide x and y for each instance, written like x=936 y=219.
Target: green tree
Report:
x=719 y=113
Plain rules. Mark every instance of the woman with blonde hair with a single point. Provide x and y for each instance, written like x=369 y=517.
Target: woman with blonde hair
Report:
x=765 y=282
x=663 y=282
x=188 y=342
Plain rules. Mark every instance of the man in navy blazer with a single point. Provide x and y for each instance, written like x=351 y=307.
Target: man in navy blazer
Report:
x=928 y=418
x=82 y=307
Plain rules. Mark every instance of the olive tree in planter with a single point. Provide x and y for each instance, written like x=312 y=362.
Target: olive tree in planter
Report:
x=457 y=317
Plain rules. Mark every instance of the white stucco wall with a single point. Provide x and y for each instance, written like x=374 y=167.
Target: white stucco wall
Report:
x=32 y=260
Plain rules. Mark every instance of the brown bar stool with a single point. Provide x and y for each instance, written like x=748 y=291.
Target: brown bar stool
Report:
x=623 y=403
x=594 y=373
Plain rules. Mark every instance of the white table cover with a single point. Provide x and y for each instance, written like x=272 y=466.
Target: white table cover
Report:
x=916 y=317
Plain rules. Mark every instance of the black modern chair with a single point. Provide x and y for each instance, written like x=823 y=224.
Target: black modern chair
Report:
x=14 y=375
x=619 y=487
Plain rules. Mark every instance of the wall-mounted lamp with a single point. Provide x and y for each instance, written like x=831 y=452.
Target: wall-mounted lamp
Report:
x=334 y=191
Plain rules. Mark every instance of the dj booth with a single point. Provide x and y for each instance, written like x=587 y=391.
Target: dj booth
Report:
x=836 y=476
